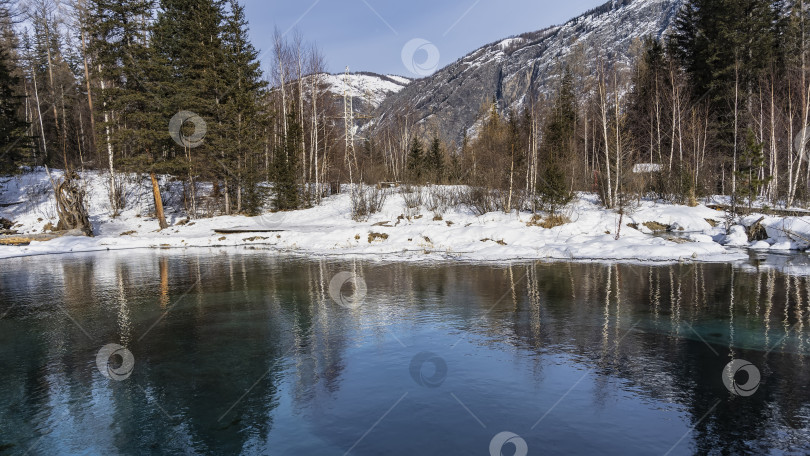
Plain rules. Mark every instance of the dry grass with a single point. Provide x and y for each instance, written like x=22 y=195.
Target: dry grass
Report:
x=554 y=221
x=376 y=236
x=549 y=222
x=657 y=227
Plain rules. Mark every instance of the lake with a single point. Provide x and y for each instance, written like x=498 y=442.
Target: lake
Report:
x=249 y=352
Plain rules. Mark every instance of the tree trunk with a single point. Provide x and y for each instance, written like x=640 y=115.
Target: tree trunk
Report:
x=89 y=90
x=161 y=217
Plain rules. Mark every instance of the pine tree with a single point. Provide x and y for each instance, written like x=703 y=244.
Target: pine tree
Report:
x=752 y=161
x=14 y=143
x=559 y=136
x=285 y=166
x=188 y=39
x=726 y=46
x=434 y=162
x=645 y=111
x=455 y=171
x=239 y=115
x=130 y=89
x=416 y=161
x=128 y=92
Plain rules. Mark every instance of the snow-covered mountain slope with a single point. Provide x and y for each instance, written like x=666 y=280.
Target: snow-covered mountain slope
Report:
x=508 y=70
x=365 y=88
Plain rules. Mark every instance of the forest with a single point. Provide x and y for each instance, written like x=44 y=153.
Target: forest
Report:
x=719 y=105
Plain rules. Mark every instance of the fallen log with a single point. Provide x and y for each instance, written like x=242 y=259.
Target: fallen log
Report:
x=769 y=211
x=246 y=230
x=757 y=232
x=26 y=239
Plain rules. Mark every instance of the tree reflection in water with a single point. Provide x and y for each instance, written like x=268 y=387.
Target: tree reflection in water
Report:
x=244 y=351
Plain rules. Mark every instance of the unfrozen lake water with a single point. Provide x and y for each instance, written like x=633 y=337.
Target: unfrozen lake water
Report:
x=246 y=352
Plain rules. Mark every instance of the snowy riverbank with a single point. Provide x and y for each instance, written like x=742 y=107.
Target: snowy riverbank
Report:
x=696 y=234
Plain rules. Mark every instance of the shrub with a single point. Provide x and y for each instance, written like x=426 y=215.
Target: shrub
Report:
x=412 y=197
x=481 y=200
x=439 y=199
x=367 y=201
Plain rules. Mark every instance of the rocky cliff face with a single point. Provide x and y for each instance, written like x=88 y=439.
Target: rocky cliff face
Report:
x=510 y=70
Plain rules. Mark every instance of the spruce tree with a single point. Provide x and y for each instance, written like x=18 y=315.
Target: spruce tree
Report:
x=416 y=161
x=129 y=98
x=188 y=40
x=435 y=161
x=646 y=101
x=14 y=143
x=726 y=46
x=559 y=135
x=285 y=166
x=752 y=160
x=239 y=115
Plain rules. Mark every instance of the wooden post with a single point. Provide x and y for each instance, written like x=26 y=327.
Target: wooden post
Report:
x=158 y=203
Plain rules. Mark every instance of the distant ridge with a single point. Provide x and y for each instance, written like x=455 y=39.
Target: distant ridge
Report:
x=509 y=70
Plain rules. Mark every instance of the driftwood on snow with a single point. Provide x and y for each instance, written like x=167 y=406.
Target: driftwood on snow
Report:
x=25 y=239
x=70 y=205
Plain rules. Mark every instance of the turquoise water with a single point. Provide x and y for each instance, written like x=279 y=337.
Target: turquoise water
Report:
x=244 y=352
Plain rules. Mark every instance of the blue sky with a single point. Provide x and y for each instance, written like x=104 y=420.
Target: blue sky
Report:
x=369 y=35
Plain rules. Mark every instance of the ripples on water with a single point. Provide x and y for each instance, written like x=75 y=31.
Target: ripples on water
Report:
x=245 y=352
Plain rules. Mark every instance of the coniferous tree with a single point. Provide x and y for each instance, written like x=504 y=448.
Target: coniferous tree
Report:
x=455 y=170
x=14 y=142
x=128 y=95
x=240 y=143
x=416 y=161
x=646 y=104
x=559 y=136
x=434 y=162
x=726 y=46
x=188 y=38
x=285 y=166
x=752 y=161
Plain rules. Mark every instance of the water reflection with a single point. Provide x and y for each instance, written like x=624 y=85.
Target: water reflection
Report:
x=244 y=352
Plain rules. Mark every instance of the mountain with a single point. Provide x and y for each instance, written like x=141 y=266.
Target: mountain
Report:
x=506 y=70
x=368 y=90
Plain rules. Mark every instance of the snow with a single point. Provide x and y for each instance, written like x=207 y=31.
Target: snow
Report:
x=644 y=168
x=399 y=79
x=760 y=245
x=458 y=234
x=372 y=88
x=736 y=237
x=505 y=44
